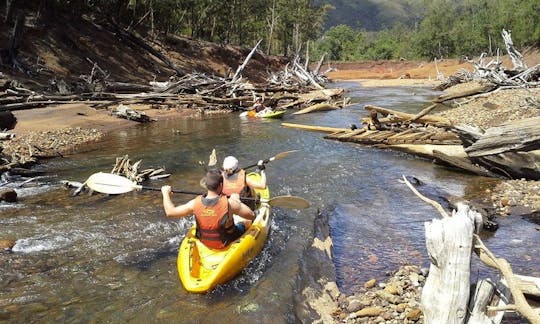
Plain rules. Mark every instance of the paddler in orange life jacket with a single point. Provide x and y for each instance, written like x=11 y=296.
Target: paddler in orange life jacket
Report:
x=236 y=182
x=213 y=212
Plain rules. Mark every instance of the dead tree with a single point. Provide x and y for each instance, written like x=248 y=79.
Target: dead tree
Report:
x=450 y=243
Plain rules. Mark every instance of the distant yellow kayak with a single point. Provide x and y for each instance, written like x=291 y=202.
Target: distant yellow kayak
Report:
x=201 y=268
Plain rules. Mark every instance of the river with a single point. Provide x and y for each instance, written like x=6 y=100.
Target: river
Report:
x=113 y=258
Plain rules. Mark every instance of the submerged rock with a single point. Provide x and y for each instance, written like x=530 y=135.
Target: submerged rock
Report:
x=8 y=195
x=6 y=245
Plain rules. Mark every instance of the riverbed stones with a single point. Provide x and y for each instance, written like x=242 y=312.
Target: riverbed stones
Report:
x=8 y=195
x=6 y=245
x=370 y=283
x=394 y=301
x=369 y=311
x=516 y=197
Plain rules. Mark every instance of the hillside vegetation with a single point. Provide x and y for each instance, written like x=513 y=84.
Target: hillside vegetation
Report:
x=57 y=51
x=415 y=29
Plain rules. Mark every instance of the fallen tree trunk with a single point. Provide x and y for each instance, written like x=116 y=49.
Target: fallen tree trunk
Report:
x=315 y=128
x=522 y=135
x=246 y=60
x=444 y=296
x=466 y=93
x=317 y=107
x=401 y=116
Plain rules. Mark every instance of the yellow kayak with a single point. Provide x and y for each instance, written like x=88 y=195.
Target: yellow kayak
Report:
x=201 y=268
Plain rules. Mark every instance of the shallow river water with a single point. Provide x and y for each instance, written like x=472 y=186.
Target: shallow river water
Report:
x=113 y=259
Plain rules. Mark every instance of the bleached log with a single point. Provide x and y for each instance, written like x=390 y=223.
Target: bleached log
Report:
x=317 y=107
x=517 y=58
x=505 y=268
x=466 y=93
x=529 y=285
x=246 y=60
x=522 y=135
x=485 y=289
x=318 y=67
x=309 y=77
x=6 y=136
x=405 y=116
x=131 y=114
x=315 y=128
x=449 y=243
x=463 y=163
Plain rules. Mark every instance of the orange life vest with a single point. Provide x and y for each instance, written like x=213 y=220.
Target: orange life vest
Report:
x=236 y=185
x=213 y=222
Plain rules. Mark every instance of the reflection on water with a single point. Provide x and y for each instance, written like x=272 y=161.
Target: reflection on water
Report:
x=98 y=258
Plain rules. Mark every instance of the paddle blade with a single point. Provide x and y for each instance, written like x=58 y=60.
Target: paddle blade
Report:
x=291 y=202
x=282 y=155
x=109 y=183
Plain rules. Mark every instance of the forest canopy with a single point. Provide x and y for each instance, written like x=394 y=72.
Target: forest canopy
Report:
x=410 y=29
x=447 y=28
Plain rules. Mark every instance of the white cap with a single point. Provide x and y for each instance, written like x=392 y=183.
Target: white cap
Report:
x=230 y=163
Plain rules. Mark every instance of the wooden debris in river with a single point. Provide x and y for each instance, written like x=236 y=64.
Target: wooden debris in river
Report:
x=124 y=111
x=124 y=167
x=446 y=295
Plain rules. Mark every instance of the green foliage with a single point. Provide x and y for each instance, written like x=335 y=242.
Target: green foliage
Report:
x=437 y=28
x=369 y=29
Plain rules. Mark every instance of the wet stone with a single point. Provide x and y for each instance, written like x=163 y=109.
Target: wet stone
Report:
x=370 y=283
x=414 y=314
x=6 y=245
x=8 y=195
x=354 y=305
x=369 y=311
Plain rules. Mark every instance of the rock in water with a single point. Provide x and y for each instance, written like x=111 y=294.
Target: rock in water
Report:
x=7 y=120
x=8 y=195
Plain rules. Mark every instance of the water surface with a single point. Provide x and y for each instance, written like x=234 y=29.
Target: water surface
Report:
x=113 y=259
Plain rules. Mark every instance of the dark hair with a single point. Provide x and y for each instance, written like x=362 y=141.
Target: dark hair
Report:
x=213 y=179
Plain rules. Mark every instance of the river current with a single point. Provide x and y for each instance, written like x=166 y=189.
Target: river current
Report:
x=113 y=258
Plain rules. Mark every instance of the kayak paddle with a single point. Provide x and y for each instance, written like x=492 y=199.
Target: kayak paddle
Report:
x=276 y=157
x=113 y=184
x=291 y=202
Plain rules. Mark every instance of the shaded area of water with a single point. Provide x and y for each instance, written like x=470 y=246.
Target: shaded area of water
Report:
x=98 y=258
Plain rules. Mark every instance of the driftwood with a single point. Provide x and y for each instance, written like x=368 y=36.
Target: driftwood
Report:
x=422 y=142
x=6 y=136
x=123 y=111
x=466 y=93
x=243 y=65
x=511 y=150
x=463 y=163
x=394 y=116
x=317 y=107
x=522 y=135
x=450 y=242
x=124 y=167
x=314 y=128
x=494 y=74
x=485 y=292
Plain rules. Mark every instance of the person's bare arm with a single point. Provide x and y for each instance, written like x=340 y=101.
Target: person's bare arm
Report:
x=260 y=184
x=175 y=211
x=239 y=208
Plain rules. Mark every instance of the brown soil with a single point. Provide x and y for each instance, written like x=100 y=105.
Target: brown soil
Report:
x=404 y=70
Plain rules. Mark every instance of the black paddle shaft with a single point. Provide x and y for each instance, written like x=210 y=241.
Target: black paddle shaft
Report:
x=193 y=193
x=254 y=165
